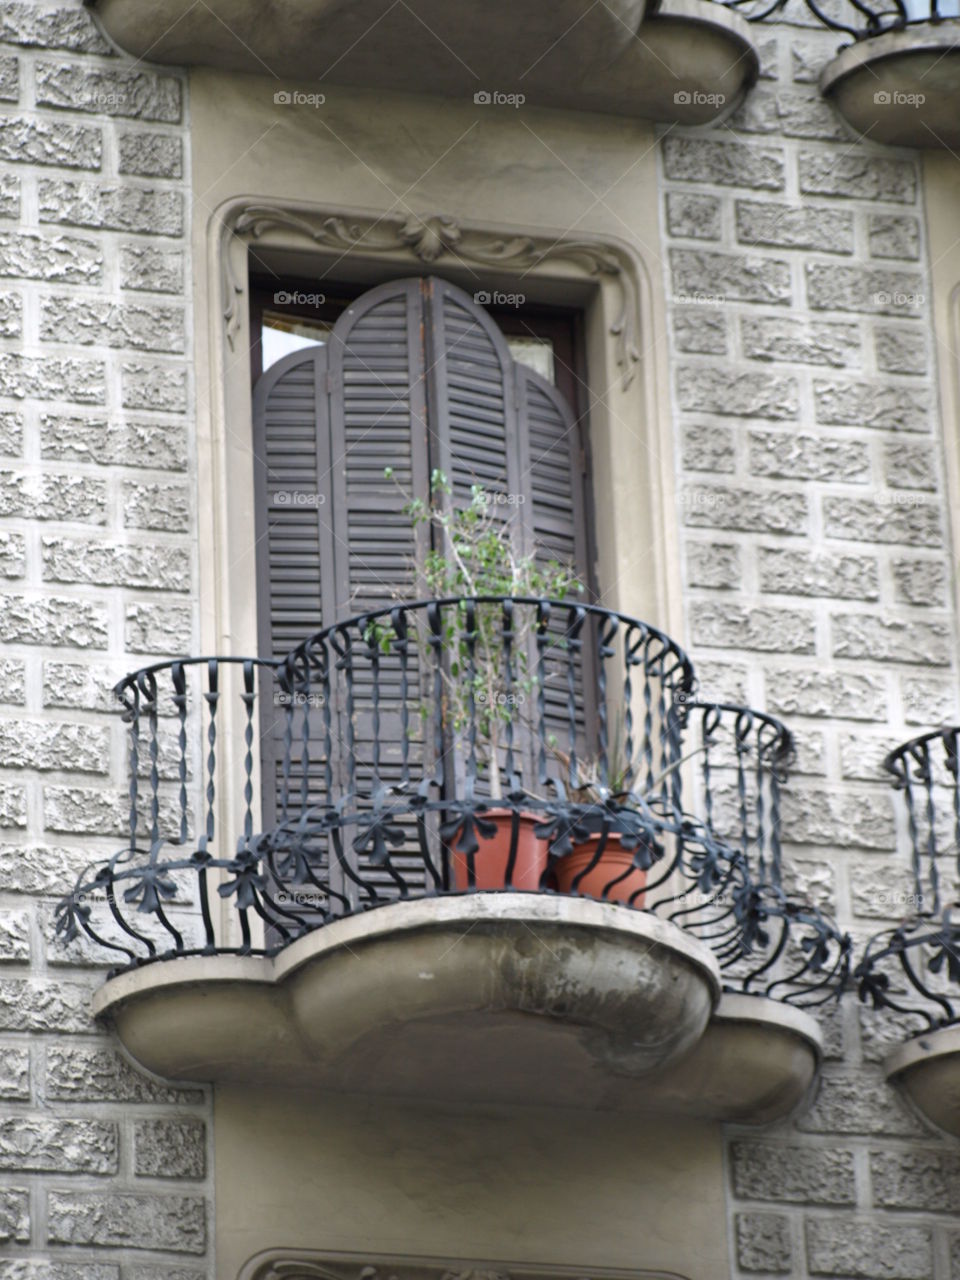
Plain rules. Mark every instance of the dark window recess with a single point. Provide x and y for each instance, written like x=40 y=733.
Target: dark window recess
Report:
x=413 y=375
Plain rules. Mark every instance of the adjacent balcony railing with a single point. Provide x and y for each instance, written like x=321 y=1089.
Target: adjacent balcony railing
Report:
x=913 y=968
x=384 y=758
x=910 y=972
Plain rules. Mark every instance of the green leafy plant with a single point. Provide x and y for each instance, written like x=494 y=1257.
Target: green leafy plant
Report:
x=473 y=553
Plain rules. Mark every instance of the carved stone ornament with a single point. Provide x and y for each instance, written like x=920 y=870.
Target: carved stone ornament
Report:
x=281 y=1264
x=432 y=238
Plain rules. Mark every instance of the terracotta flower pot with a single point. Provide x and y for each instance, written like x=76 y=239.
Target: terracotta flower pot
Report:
x=615 y=864
x=490 y=860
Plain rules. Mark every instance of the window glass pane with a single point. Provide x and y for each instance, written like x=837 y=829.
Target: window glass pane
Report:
x=282 y=335
x=536 y=354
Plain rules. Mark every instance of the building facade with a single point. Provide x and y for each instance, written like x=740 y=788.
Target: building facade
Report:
x=763 y=309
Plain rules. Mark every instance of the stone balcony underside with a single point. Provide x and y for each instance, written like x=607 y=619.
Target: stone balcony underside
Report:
x=479 y=1000
x=690 y=62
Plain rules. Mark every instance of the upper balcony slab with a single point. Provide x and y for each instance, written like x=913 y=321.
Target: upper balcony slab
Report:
x=691 y=62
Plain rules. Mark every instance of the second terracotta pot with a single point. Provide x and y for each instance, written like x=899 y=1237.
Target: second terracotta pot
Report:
x=613 y=879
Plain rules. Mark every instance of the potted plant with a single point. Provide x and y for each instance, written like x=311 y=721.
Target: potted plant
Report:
x=608 y=848
x=473 y=555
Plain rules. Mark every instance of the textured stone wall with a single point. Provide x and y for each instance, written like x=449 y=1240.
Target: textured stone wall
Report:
x=818 y=583
x=104 y=1173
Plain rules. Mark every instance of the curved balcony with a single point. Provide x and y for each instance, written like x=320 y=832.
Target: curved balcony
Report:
x=912 y=970
x=898 y=80
x=692 y=64
x=476 y=861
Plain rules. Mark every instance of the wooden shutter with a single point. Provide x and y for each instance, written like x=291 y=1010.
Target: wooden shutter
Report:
x=295 y=565
x=553 y=519
x=471 y=394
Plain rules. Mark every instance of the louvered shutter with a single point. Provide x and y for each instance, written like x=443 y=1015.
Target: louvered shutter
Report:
x=553 y=519
x=471 y=394
x=295 y=565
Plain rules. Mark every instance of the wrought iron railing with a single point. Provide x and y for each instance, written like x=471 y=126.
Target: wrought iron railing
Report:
x=859 y=19
x=913 y=968
x=453 y=746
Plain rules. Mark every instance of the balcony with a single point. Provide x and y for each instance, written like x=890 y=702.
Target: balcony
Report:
x=505 y=854
x=910 y=973
x=688 y=61
x=897 y=80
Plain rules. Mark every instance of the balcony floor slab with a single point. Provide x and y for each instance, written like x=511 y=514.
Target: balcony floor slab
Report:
x=489 y=997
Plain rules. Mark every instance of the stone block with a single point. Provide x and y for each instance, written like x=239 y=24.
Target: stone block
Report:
x=45 y=378
x=716 y=624
x=782 y=338
x=805 y=1175
x=724 y=164
x=784 y=226
x=884 y=406
x=693 y=217
x=804 y=573
x=149 y=269
x=33 y=1144
x=832 y=694
x=52 y=620
x=708 y=448
x=82 y=1073
x=133 y=93
x=869 y=290
x=151 y=567
x=49 y=142
x=111 y=206
x=160 y=387
x=763 y=1243
x=709 y=278
x=714 y=565
x=855 y=174
x=172 y=1223
x=99 y=322
x=165 y=507
x=884 y=639
x=169 y=1148
x=790 y=455
x=150 y=155
x=713 y=389
x=110 y=443
x=54 y=259
x=749 y=510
